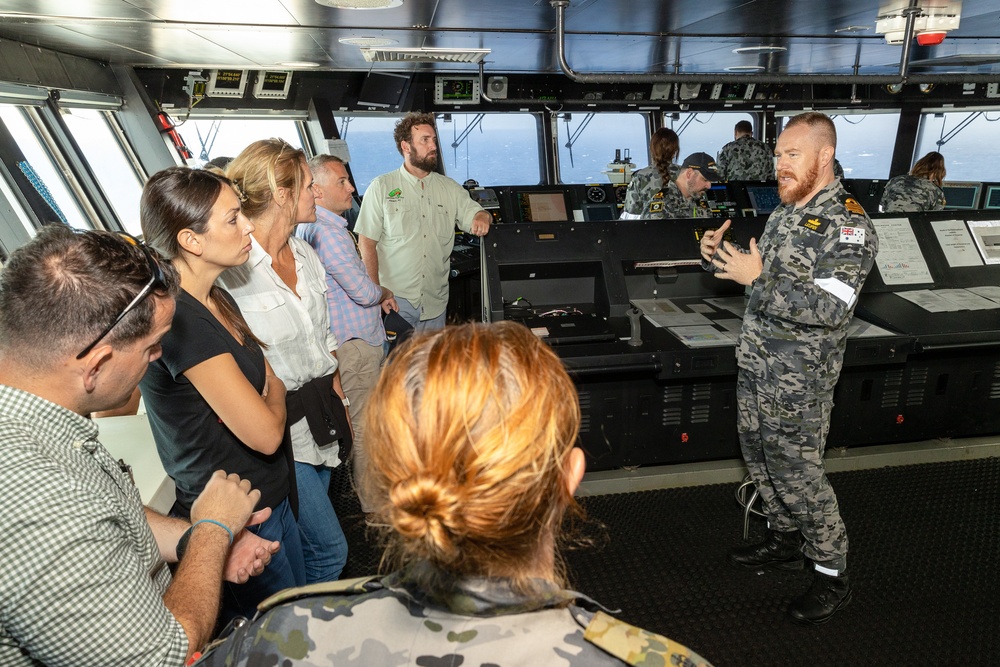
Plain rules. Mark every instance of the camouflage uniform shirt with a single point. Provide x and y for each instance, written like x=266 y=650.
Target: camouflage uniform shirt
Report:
x=815 y=260
x=906 y=194
x=645 y=183
x=746 y=159
x=388 y=621
x=669 y=204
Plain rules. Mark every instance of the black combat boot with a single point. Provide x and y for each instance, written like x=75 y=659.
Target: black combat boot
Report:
x=781 y=551
x=823 y=599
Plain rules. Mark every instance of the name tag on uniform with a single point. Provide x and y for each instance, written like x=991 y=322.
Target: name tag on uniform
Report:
x=852 y=235
x=817 y=225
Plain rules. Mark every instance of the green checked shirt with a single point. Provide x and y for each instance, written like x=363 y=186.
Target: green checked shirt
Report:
x=81 y=578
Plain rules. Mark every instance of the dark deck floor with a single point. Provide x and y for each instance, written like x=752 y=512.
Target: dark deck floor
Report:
x=924 y=564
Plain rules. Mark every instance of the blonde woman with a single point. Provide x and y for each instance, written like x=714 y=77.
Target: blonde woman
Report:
x=471 y=451
x=281 y=291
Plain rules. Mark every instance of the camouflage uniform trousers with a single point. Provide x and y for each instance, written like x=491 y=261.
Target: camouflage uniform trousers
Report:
x=783 y=420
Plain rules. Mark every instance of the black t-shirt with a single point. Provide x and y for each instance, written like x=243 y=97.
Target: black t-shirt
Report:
x=191 y=439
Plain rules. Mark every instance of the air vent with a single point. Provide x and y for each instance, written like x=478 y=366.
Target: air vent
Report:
x=424 y=55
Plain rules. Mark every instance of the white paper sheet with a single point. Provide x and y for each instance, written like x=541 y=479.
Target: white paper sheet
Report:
x=899 y=259
x=703 y=336
x=956 y=243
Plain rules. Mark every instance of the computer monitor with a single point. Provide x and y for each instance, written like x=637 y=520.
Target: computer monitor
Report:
x=383 y=90
x=542 y=206
x=763 y=198
x=599 y=212
x=963 y=196
x=991 y=199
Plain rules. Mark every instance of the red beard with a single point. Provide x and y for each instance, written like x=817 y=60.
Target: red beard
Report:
x=794 y=190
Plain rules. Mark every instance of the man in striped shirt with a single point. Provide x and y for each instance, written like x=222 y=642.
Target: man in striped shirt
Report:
x=355 y=301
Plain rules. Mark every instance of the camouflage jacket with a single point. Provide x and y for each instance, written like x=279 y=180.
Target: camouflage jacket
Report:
x=746 y=159
x=669 y=203
x=645 y=183
x=388 y=621
x=905 y=194
x=815 y=260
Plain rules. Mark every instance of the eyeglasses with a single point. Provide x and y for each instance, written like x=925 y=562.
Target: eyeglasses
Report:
x=157 y=281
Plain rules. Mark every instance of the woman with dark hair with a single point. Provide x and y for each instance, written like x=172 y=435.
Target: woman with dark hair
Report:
x=664 y=148
x=472 y=456
x=920 y=190
x=282 y=292
x=212 y=399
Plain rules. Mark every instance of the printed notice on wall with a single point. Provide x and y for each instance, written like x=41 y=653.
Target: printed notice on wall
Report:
x=956 y=243
x=986 y=234
x=899 y=259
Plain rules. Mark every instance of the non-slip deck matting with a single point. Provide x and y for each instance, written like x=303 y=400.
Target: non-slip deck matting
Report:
x=923 y=562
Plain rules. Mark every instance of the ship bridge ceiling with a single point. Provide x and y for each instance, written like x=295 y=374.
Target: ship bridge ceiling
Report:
x=601 y=36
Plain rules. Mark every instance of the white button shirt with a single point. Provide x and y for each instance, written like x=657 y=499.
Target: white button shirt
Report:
x=296 y=329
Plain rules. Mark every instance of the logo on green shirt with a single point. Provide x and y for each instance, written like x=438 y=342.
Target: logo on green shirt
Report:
x=396 y=194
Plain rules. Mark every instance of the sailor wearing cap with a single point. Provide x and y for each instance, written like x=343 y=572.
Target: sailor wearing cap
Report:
x=684 y=195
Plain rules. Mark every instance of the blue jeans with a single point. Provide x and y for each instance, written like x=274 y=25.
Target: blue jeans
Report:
x=324 y=546
x=286 y=569
x=411 y=314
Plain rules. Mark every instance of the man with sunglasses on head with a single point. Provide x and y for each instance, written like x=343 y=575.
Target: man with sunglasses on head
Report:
x=83 y=578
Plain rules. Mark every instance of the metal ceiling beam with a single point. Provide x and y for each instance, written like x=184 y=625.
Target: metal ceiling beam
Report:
x=718 y=77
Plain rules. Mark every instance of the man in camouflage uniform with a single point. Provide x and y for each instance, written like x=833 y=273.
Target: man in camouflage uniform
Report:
x=684 y=195
x=390 y=621
x=746 y=158
x=804 y=279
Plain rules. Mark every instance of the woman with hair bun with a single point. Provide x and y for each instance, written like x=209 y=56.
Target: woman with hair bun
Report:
x=472 y=458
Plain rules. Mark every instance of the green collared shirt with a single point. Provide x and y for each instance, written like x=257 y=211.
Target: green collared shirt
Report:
x=412 y=220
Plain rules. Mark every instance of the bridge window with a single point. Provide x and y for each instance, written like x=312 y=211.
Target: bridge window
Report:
x=373 y=150
x=492 y=149
x=865 y=142
x=966 y=139
x=588 y=142
x=210 y=138
x=704 y=132
x=108 y=155
x=40 y=178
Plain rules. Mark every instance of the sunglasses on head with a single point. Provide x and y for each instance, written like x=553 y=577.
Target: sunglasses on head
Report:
x=157 y=281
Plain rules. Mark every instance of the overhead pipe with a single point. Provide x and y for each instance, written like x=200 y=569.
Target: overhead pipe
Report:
x=714 y=77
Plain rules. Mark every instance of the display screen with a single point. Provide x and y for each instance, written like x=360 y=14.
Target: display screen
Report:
x=382 y=90
x=542 y=206
x=598 y=212
x=764 y=198
x=275 y=81
x=228 y=79
x=456 y=89
x=992 y=197
x=963 y=196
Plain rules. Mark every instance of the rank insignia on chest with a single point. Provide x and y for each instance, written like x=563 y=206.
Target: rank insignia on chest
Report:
x=817 y=225
x=656 y=207
x=852 y=235
x=852 y=205
x=658 y=195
